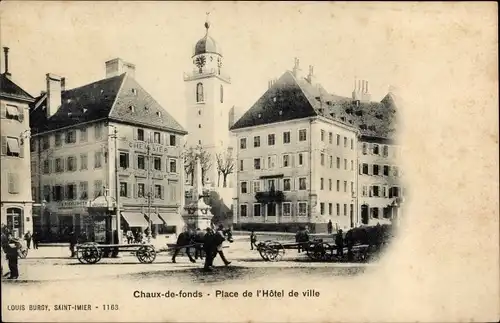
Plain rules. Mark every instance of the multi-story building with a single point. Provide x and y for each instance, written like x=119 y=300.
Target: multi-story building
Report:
x=16 y=201
x=84 y=138
x=208 y=108
x=296 y=165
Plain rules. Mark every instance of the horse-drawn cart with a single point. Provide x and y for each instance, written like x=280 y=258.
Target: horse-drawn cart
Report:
x=91 y=252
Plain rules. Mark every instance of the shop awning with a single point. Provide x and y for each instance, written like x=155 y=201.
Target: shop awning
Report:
x=13 y=111
x=155 y=219
x=170 y=219
x=135 y=220
x=13 y=145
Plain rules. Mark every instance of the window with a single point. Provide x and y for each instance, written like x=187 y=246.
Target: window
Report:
x=256 y=141
x=374 y=212
x=199 y=126
x=256 y=186
x=199 y=92
x=140 y=134
x=71 y=137
x=303 y=134
x=352 y=187
x=365 y=169
x=302 y=184
x=365 y=149
x=330 y=137
x=322 y=158
x=46 y=166
x=47 y=196
x=221 y=94
x=58 y=139
x=345 y=209
x=12 y=112
x=322 y=208
x=173 y=166
x=330 y=161
x=98 y=159
x=338 y=186
x=97 y=188
x=351 y=210
x=338 y=209
x=384 y=191
x=287 y=209
x=33 y=168
x=172 y=140
x=301 y=159
x=387 y=212
x=322 y=135
x=141 y=162
x=241 y=165
x=330 y=209
x=257 y=210
x=243 y=143
x=32 y=145
x=386 y=170
x=157 y=163
x=13 y=183
x=84 y=187
x=286 y=160
x=123 y=189
x=11 y=147
x=59 y=165
x=58 y=193
x=158 y=192
x=98 y=131
x=140 y=190
x=375 y=190
x=244 y=188
x=83 y=134
x=338 y=162
x=71 y=191
x=256 y=163
x=352 y=144
x=271 y=161
x=270 y=139
x=45 y=142
x=385 y=151
x=83 y=161
x=287 y=185
x=71 y=163
x=243 y=210
x=345 y=186
x=302 y=209
x=375 y=149
x=345 y=142
x=321 y=183
x=345 y=164
x=271 y=184
x=330 y=185
x=124 y=160
x=364 y=193
x=352 y=165
x=338 y=140
x=375 y=169
x=394 y=192
x=157 y=138
x=286 y=137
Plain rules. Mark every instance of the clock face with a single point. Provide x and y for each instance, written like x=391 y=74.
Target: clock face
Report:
x=200 y=61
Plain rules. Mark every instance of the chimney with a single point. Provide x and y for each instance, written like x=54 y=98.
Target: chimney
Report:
x=53 y=94
x=6 y=55
x=63 y=84
x=297 y=72
x=117 y=67
x=355 y=92
x=310 y=76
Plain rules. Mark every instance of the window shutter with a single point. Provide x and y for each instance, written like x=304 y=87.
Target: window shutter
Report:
x=4 y=145
x=370 y=194
x=151 y=136
x=162 y=192
x=370 y=169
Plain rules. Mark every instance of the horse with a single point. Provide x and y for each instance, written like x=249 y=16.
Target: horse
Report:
x=373 y=236
x=191 y=239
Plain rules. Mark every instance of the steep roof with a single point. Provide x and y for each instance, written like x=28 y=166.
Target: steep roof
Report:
x=297 y=98
x=110 y=99
x=11 y=90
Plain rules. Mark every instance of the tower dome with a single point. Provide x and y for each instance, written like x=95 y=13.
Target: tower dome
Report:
x=207 y=45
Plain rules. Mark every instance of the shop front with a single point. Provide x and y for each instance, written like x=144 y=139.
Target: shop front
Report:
x=102 y=218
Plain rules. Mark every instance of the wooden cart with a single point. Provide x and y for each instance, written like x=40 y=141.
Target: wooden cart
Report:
x=91 y=252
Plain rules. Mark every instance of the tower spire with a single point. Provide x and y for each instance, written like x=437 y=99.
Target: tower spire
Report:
x=207 y=23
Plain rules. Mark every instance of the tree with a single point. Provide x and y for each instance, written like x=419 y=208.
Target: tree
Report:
x=190 y=155
x=225 y=165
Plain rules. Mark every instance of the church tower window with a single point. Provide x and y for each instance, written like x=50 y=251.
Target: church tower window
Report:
x=221 y=94
x=199 y=92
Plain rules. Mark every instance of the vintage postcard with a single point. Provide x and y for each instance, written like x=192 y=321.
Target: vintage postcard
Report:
x=249 y=161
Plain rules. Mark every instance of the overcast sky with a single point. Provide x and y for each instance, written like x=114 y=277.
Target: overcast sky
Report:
x=386 y=44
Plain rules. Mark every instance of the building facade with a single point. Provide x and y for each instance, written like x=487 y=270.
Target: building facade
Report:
x=16 y=200
x=108 y=140
x=306 y=157
x=208 y=107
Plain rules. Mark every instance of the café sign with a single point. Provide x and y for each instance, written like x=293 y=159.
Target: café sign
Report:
x=154 y=148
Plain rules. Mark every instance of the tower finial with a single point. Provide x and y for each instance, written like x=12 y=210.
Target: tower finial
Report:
x=207 y=23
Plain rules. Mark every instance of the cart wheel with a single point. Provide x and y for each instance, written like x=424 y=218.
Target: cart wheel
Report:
x=262 y=248
x=79 y=253
x=309 y=248
x=146 y=254
x=275 y=251
x=91 y=253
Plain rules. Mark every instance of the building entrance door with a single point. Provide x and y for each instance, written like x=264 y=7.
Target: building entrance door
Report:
x=271 y=209
x=364 y=214
x=14 y=222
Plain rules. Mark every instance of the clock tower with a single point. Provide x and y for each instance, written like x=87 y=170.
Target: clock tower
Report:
x=207 y=102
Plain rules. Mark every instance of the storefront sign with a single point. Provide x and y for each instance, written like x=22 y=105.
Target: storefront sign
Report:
x=102 y=202
x=72 y=204
x=154 y=148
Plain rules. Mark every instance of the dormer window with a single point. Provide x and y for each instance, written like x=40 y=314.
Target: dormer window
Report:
x=134 y=91
x=131 y=108
x=199 y=93
x=158 y=114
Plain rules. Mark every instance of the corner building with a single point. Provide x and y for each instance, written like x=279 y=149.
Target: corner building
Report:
x=76 y=157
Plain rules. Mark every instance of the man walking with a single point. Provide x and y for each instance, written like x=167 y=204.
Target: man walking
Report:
x=339 y=242
x=210 y=249
x=27 y=237
x=72 y=243
x=35 y=238
x=253 y=240
x=219 y=239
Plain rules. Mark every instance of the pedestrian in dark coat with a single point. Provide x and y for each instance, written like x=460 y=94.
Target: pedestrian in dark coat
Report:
x=210 y=249
x=73 y=240
x=330 y=227
x=199 y=239
x=219 y=240
x=12 y=251
x=27 y=237
x=339 y=242
x=35 y=238
x=253 y=240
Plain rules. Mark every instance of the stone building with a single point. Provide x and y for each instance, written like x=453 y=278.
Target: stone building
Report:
x=16 y=200
x=84 y=138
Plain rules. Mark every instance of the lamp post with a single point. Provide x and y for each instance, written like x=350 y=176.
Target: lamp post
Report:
x=117 y=185
x=149 y=193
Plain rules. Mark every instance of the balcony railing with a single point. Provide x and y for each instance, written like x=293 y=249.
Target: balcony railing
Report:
x=272 y=196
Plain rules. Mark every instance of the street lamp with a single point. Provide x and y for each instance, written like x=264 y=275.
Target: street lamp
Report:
x=114 y=135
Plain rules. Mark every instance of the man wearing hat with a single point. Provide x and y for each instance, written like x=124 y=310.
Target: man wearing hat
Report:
x=210 y=248
x=219 y=239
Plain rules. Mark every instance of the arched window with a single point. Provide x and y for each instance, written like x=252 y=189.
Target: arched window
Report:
x=221 y=93
x=199 y=92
